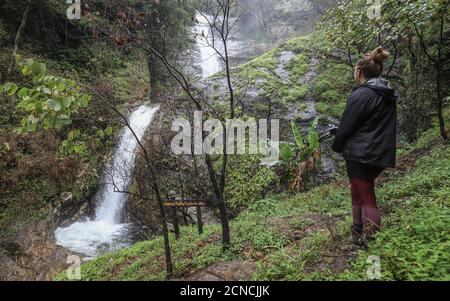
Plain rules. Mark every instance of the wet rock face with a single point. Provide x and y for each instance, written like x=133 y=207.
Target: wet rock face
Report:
x=69 y=209
x=256 y=103
x=144 y=214
x=31 y=254
x=278 y=20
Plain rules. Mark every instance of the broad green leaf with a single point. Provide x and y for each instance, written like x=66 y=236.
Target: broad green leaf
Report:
x=286 y=152
x=108 y=131
x=38 y=70
x=12 y=89
x=83 y=100
x=54 y=105
x=22 y=92
x=297 y=134
x=46 y=91
x=314 y=140
x=64 y=119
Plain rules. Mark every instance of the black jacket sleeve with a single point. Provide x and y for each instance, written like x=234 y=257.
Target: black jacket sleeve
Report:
x=354 y=115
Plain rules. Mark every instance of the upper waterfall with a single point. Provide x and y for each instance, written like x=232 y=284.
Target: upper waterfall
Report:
x=209 y=59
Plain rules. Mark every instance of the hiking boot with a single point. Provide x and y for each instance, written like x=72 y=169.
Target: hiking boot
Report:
x=368 y=239
x=357 y=234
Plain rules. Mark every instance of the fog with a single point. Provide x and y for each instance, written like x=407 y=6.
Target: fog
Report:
x=275 y=20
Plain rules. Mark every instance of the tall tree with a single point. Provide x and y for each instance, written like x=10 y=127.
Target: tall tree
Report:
x=18 y=37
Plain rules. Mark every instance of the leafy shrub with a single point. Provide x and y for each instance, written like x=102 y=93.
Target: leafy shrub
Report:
x=247 y=180
x=298 y=160
x=88 y=60
x=49 y=101
x=414 y=249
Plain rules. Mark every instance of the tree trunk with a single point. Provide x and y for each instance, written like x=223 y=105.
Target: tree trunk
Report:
x=440 y=97
x=162 y=211
x=156 y=67
x=17 y=39
x=225 y=224
x=199 y=220
x=169 y=267
x=176 y=228
x=220 y=202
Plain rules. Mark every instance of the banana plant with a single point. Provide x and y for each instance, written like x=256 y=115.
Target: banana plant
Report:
x=306 y=145
x=300 y=158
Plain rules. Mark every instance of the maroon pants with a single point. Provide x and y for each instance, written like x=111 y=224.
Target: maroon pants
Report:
x=364 y=204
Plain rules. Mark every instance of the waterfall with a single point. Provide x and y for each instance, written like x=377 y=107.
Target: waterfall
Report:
x=106 y=232
x=119 y=169
x=209 y=60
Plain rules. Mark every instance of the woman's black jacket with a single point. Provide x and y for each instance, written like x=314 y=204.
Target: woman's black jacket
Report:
x=368 y=128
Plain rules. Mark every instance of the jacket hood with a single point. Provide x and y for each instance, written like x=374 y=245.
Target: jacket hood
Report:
x=382 y=87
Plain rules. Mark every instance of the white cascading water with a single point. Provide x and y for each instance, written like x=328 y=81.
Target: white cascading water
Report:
x=104 y=233
x=209 y=60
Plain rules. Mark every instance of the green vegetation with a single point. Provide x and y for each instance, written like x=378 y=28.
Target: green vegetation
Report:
x=415 y=30
x=56 y=129
x=258 y=179
x=298 y=66
x=261 y=73
x=301 y=44
x=299 y=159
x=332 y=87
x=294 y=94
x=53 y=151
x=289 y=238
x=49 y=101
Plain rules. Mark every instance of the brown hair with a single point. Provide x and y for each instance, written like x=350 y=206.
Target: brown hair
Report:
x=371 y=65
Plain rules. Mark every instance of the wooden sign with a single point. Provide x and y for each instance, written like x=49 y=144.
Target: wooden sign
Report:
x=185 y=203
x=177 y=203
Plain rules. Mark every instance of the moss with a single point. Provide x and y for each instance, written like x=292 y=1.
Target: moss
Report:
x=133 y=74
x=298 y=66
x=295 y=93
x=334 y=110
x=334 y=79
x=299 y=44
x=331 y=87
x=268 y=61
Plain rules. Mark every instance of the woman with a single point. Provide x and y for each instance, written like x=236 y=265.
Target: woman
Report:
x=366 y=138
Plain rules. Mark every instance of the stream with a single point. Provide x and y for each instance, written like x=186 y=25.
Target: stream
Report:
x=107 y=231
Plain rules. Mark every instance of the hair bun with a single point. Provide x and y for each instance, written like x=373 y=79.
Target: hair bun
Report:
x=379 y=54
